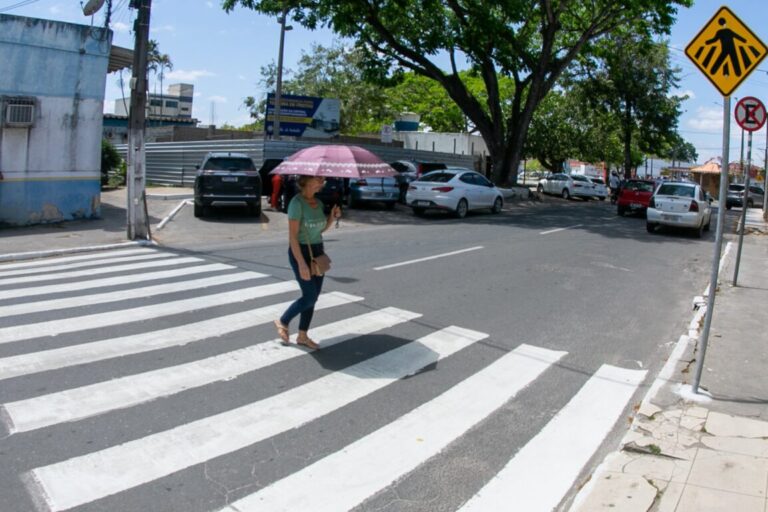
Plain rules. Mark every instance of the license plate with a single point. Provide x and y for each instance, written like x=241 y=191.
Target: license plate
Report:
x=229 y=179
x=421 y=203
x=635 y=206
x=670 y=217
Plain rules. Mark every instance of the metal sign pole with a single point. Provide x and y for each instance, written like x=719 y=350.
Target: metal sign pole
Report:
x=744 y=206
x=718 y=243
x=765 y=177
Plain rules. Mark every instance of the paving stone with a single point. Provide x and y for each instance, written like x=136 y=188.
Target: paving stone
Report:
x=730 y=472
x=719 y=424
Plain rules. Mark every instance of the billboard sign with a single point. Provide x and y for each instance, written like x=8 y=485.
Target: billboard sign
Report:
x=304 y=116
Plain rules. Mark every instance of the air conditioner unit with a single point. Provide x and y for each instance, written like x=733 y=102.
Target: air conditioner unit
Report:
x=19 y=114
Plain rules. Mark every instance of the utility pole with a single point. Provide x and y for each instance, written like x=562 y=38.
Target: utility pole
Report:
x=279 y=85
x=138 y=220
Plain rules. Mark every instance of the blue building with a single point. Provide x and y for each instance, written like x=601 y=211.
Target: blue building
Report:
x=52 y=80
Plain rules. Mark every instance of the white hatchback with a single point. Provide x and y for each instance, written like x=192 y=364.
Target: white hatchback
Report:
x=453 y=189
x=679 y=204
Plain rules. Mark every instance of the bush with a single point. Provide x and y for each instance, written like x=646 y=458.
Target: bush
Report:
x=111 y=163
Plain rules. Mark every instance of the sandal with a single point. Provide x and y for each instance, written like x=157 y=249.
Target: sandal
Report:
x=307 y=342
x=282 y=332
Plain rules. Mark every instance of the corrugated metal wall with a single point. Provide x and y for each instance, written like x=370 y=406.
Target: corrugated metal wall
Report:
x=175 y=163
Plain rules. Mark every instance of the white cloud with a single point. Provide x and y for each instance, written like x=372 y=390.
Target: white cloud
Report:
x=209 y=4
x=188 y=75
x=164 y=28
x=121 y=27
x=241 y=77
x=707 y=119
x=218 y=99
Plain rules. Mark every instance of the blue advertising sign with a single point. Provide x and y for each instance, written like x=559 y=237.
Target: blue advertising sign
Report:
x=304 y=116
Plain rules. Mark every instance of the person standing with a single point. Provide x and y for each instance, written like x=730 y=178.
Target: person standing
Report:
x=277 y=184
x=613 y=183
x=306 y=224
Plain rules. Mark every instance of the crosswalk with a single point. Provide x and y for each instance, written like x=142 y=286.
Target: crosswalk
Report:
x=100 y=345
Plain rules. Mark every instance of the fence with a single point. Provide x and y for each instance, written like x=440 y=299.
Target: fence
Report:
x=175 y=163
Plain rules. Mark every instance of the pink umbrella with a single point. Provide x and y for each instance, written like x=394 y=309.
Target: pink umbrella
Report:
x=337 y=161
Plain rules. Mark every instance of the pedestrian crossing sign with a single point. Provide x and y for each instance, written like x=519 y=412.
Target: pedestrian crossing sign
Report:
x=726 y=51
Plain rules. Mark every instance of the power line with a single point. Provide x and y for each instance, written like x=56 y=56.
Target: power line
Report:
x=17 y=5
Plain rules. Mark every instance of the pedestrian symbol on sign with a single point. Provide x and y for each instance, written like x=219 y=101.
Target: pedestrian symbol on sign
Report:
x=726 y=51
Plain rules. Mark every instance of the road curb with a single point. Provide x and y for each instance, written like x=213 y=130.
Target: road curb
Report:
x=60 y=252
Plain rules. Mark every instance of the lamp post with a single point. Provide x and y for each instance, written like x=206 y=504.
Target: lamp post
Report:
x=279 y=84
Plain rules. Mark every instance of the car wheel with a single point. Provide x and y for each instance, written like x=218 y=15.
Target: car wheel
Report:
x=566 y=194
x=699 y=230
x=750 y=204
x=198 y=210
x=620 y=211
x=707 y=225
x=419 y=212
x=389 y=206
x=461 y=208
x=497 y=205
x=650 y=227
x=602 y=198
x=254 y=209
x=540 y=189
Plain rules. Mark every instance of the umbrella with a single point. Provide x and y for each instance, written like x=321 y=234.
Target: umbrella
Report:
x=335 y=161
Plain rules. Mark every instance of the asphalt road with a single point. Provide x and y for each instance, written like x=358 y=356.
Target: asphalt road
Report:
x=581 y=286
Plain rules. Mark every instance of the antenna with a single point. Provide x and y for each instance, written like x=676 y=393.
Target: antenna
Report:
x=92 y=6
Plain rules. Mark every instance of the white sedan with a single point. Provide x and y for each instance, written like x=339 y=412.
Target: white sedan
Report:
x=600 y=191
x=453 y=189
x=567 y=186
x=682 y=205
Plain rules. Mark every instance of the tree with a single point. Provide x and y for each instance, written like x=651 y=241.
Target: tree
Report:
x=532 y=42
x=554 y=132
x=110 y=160
x=158 y=63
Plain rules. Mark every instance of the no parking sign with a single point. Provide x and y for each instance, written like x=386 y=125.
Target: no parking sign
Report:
x=750 y=114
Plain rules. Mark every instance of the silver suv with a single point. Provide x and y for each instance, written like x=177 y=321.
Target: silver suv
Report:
x=736 y=196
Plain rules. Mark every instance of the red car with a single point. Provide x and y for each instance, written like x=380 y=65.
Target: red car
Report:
x=634 y=196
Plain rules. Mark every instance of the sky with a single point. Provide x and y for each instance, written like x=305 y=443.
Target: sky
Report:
x=222 y=55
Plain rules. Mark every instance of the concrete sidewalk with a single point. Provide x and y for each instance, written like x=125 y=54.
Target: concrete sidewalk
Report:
x=704 y=452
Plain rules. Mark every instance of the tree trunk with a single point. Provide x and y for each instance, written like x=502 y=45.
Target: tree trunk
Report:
x=627 y=129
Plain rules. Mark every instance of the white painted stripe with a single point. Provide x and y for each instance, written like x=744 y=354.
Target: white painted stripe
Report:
x=171 y=215
x=87 y=401
x=560 y=229
x=36 y=362
x=142 y=313
x=14 y=256
x=107 y=297
x=80 y=480
x=68 y=259
x=346 y=478
x=103 y=260
x=113 y=281
x=428 y=258
x=107 y=269
x=542 y=472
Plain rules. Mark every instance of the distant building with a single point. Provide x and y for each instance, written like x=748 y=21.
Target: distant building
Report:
x=52 y=80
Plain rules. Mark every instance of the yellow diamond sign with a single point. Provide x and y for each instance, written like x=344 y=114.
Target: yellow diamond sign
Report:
x=726 y=51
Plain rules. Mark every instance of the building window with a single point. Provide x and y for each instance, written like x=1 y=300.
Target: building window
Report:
x=155 y=103
x=18 y=112
x=185 y=109
x=172 y=104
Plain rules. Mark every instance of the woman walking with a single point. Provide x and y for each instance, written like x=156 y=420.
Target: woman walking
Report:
x=306 y=224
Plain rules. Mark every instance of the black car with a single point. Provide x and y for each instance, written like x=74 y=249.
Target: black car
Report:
x=225 y=179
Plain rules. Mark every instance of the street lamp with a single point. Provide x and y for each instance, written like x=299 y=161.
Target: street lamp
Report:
x=279 y=85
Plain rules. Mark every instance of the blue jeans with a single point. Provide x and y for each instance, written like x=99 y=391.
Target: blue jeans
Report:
x=310 y=290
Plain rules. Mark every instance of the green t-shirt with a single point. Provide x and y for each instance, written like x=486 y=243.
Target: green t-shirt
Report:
x=312 y=221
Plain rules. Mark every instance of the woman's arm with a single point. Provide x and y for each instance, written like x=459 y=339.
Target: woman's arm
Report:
x=293 y=241
x=335 y=214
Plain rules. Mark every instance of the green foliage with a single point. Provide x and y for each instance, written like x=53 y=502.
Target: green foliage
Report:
x=111 y=163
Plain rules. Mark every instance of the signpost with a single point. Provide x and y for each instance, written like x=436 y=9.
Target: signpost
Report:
x=726 y=51
x=750 y=115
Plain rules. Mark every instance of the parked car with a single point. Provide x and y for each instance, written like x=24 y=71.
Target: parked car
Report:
x=601 y=191
x=634 y=196
x=453 y=189
x=735 y=196
x=366 y=190
x=330 y=195
x=679 y=204
x=567 y=186
x=410 y=170
x=225 y=178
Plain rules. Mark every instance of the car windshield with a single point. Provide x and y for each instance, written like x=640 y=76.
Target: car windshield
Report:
x=673 y=189
x=736 y=188
x=437 y=177
x=597 y=181
x=641 y=186
x=579 y=178
x=228 y=164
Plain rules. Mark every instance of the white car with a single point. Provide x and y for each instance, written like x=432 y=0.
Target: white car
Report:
x=679 y=204
x=601 y=192
x=453 y=189
x=567 y=186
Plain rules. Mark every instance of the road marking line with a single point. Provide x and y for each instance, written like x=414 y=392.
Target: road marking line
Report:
x=86 y=478
x=79 y=264
x=37 y=362
x=560 y=229
x=167 y=262
x=113 y=281
x=142 y=313
x=347 y=477
x=68 y=259
x=134 y=293
x=540 y=474
x=429 y=258
x=83 y=402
